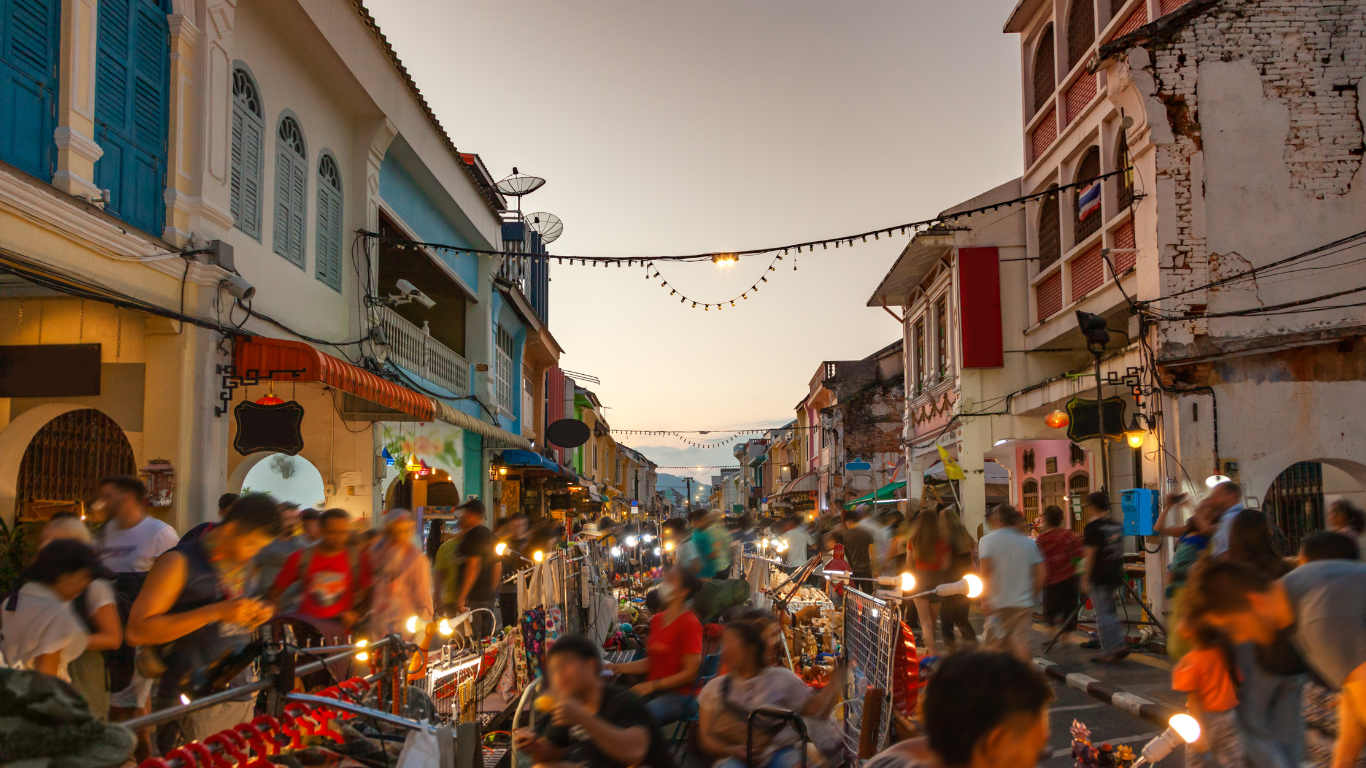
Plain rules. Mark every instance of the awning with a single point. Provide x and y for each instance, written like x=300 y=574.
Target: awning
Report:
x=882 y=494
x=280 y=360
x=520 y=458
x=467 y=422
x=806 y=482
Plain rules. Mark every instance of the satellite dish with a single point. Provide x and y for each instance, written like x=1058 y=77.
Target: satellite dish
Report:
x=568 y=433
x=519 y=184
x=547 y=225
x=282 y=465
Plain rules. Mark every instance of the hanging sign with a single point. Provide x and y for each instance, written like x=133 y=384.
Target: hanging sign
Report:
x=1084 y=425
x=277 y=428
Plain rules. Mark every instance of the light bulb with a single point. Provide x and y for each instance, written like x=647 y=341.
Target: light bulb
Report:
x=1186 y=726
x=668 y=546
x=362 y=656
x=362 y=643
x=538 y=555
x=875 y=613
x=1135 y=439
x=445 y=627
x=184 y=699
x=974 y=585
x=907 y=582
x=500 y=549
x=656 y=551
x=616 y=551
x=631 y=541
x=763 y=543
x=647 y=538
x=412 y=624
x=1214 y=480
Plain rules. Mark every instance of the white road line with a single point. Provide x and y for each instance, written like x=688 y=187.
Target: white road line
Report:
x=1075 y=708
x=1124 y=740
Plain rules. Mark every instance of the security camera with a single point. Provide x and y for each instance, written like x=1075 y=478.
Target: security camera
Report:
x=411 y=293
x=238 y=288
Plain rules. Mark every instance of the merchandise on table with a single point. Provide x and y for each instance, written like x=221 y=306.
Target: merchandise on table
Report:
x=813 y=640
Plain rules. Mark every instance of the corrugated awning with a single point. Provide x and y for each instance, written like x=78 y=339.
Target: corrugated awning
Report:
x=806 y=482
x=280 y=360
x=468 y=422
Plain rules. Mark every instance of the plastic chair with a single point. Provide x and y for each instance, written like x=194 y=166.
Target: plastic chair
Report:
x=708 y=669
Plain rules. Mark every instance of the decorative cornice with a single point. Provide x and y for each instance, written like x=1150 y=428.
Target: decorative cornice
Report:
x=198 y=206
x=182 y=27
x=68 y=138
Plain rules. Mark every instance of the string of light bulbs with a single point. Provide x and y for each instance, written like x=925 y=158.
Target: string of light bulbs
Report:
x=723 y=256
x=720 y=305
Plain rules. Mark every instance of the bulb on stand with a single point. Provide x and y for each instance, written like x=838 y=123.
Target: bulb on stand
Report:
x=411 y=626
x=907 y=582
x=500 y=549
x=538 y=555
x=445 y=628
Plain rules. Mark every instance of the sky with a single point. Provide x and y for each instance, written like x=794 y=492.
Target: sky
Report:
x=684 y=126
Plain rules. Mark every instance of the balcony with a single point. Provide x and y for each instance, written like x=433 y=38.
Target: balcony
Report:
x=414 y=350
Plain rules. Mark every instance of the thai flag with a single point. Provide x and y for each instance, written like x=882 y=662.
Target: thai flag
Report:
x=1088 y=202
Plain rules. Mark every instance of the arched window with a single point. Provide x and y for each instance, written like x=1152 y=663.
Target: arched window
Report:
x=328 y=258
x=248 y=133
x=291 y=182
x=1124 y=164
x=1044 y=78
x=1081 y=31
x=1050 y=239
x=1088 y=208
x=1079 y=484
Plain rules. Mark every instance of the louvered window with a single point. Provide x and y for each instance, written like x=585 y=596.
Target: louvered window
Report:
x=1081 y=31
x=1050 y=245
x=30 y=37
x=132 y=94
x=291 y=184
x=1044 y=78
x=1087 y=169
x=503 y=369
x=248 y=133
x=328 y=257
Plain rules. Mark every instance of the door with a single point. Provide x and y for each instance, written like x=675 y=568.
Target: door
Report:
x=1053 y=489
x=30 y=33
x=132 y=67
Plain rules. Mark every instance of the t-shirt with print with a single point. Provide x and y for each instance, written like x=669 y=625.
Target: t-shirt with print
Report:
x=1061 y=548
x=774 y=686
x=133 y=550
x=1106 y=536
x=477 y=542
x=327 y=588
x=669 y=642
x=621 y=709
x=1329 y=600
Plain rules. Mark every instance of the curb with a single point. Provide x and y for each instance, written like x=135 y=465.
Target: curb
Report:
x=1150 y=711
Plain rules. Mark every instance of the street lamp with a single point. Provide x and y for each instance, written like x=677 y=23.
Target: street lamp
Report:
x=1097 y=334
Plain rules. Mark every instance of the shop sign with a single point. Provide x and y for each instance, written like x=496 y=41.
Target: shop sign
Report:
x=275 y=428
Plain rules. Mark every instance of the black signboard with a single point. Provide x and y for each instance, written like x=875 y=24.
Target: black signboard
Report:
x=276 y=428
x=50 y=370
x=1084 y=424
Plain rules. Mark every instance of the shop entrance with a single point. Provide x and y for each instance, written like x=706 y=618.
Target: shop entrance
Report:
x=287 y=478
x=65 y=461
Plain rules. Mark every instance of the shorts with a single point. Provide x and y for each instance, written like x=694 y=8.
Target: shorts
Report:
x=1060 y=602
x=135 y=695
x=1010 y=628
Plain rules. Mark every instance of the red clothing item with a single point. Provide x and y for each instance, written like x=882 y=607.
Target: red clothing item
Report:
x=669 y=643
x=1061 y=549
x=327 y=589
x=1204 y=672
x=941 y=548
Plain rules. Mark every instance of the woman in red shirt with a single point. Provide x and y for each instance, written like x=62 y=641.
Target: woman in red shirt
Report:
x=929 y=556
x=673 y=652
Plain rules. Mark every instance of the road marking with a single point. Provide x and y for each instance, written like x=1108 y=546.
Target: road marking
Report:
x=1079 y=681
x=1074 y=708
x=1125 y=740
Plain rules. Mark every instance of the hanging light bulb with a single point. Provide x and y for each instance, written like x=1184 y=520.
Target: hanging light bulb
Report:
x=411 y=625
x=445 y=628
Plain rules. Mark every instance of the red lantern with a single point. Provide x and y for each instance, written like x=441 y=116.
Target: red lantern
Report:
x=269 y=398
x=1057 y=420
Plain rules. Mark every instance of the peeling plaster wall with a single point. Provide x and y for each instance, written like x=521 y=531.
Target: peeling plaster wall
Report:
x=1257 y=123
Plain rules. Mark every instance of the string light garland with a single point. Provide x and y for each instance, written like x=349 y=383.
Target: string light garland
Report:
x=720 y=305
x=789 y=249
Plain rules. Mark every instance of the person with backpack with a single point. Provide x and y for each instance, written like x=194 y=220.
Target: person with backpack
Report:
x=39 y=630
x=333 y=578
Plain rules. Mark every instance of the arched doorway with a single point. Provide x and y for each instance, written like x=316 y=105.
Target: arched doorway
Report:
x=65 y=461
x=287 y=478
x=1300 y=495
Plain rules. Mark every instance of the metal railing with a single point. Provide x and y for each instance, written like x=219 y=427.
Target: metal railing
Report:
x=414 y=349
x=870 y=628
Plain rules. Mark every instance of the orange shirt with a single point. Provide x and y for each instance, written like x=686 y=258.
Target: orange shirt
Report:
x=1205 y=673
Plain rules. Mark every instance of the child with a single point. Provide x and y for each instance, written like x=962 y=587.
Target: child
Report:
x=1061 y=550
x=1203 y=674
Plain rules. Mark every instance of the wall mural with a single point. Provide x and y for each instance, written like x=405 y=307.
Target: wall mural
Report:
x=435 y=444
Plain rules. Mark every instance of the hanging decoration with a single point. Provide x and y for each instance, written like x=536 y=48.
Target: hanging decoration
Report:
x=720 y=305
x=277 y=428
x=1057 y=419
x=269 y=398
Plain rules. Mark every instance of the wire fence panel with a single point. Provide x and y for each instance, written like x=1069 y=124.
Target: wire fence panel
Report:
x=870 y=631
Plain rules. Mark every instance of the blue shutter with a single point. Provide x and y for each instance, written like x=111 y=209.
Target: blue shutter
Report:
x=245 y=192
x=291 y=184
x=30 y=35
x=328 y=254
x=132 y=95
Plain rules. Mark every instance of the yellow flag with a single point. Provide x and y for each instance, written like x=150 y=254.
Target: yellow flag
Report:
x=951 y=469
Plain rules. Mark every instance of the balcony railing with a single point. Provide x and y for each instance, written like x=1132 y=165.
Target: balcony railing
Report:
x=415 y=350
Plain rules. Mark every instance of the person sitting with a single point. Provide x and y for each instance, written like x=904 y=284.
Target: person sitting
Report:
x=749 y=683
x=674 y=654
x=334 y=579
x=38 y=628
x=592 y=722
x=982 y=709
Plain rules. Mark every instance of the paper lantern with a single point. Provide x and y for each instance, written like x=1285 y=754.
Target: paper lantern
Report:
x=1057 y=420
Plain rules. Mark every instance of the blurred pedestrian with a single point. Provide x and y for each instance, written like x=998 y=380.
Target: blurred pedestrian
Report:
x=860 y=548
x=1320 y=702
x=1061 y=550
x=332 y=577
x=272 y=557
x=982 y=709
x=1205 y=676
x=1103 y=547
x=39 y=629
x=673 y=654
x=311 y=523
x=1349 y=520
x=98 y=615
x=515 y=536
x=1226 y=498
x=953 y=611
x=929 y=555
x=402 y=586
x=467 y=570
x=224 y=501
x=197 y=606
x=1012 y=574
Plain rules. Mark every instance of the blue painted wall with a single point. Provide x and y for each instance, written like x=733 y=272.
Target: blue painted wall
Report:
x=505 y=316
x=414 y=205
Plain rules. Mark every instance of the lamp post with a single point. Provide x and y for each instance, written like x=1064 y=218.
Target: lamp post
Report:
x=1097 y=334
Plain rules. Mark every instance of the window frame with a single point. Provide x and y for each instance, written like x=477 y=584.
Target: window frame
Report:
x=503 y=373
x=243 y=114
x=941 y=331
x=918 y=337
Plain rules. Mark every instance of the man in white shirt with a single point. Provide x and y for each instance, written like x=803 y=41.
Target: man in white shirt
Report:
x=798 y=541
x=1013 y=573
x=881 y=538
x=1227 y=499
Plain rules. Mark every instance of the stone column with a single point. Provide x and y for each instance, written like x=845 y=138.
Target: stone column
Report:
x=77 y=151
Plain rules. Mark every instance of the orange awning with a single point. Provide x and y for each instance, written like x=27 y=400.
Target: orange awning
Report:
x=280 y=360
